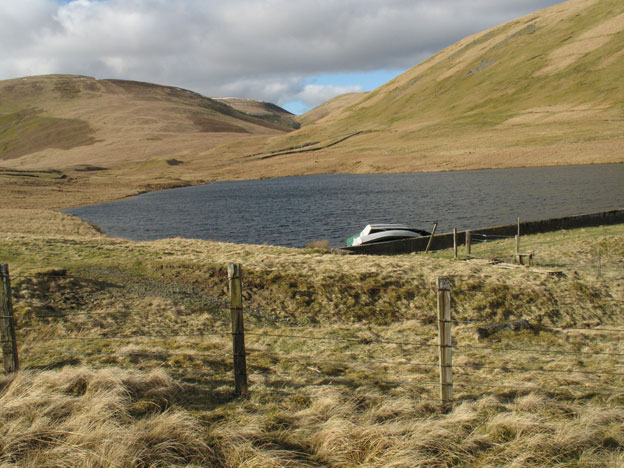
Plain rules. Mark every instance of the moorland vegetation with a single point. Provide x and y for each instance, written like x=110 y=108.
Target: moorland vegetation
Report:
x=125 y=347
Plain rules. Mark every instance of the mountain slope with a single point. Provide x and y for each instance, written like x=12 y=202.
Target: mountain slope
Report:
x=60 y=120
x=329 y=107
x=263 y=110
x=543 y=89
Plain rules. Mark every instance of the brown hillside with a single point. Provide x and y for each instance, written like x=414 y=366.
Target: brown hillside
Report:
x=263 y=110
x=545 y=89
x=46 y=121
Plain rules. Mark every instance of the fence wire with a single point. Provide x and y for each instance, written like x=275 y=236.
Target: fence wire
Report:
x=261 y=314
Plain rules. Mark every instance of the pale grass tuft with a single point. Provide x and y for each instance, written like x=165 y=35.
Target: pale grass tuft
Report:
x=507 y=427
x=136 y=352
x=168 y=439
x=326 y=401
x=347 y=443
x=86 y=418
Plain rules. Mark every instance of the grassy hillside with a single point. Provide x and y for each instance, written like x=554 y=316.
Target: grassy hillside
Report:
x=121 y=121
x=263 y=110
x=342 y=354
x=114 y=138
x=329 y=107
x=544 y=89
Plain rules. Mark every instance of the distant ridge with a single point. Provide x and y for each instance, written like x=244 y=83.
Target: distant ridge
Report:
x=46 y=121
x=263 y=110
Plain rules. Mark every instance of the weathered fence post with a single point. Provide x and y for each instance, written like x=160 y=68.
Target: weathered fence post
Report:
x=238 y=329
x=435 y=226
x=598 y=262
x=7 y=322
x=518 y=257
x=468 y=242
x=444 y=327
x=455 y=243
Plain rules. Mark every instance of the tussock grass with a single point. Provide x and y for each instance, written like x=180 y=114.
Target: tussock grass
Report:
x=85 y=418
x=342 y=355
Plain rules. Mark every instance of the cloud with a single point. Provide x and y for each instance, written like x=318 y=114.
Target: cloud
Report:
x=313 y=94
x=263 y=49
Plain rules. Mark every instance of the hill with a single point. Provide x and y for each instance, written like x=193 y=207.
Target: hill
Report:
x=544 y=89
x=69 y=140
x=263 y=110
x=329 y=107
x=47 y=121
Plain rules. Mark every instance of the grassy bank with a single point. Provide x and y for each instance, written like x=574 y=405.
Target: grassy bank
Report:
x=126 y=353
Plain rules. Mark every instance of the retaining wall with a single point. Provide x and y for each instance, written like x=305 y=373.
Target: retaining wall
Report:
x=445 y=241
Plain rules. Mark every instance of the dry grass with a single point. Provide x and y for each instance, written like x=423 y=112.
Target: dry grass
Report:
x=342 y=355
x=113 y=418
x=107 y=418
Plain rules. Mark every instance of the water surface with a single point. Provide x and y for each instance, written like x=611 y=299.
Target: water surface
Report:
x=293 y=211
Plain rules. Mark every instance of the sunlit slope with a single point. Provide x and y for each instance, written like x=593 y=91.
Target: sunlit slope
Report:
x=263 y=110
x=59 y=121
x=329 y=107
x=543 y=89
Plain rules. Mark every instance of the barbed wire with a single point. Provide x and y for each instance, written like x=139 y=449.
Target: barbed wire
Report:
x=531 y=369
x=361 y=340
x=119 y=337
x=610 y=330
x=541 y=388
x=538 y=351
x=217 y=308
x=309 y=359
x=292 y=323
x=368 y=379
x=111 y=313
x=539 y=327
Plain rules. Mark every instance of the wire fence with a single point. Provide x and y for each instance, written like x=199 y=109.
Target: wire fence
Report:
x=498 y=248
x=294 y=356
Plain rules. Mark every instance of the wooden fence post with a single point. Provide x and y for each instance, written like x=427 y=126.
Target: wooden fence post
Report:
x=599 y=262
x=7 y=322
x=455 y=243
x=435 y=226
x=238 y=329
x=444 y=327
x=467 y=242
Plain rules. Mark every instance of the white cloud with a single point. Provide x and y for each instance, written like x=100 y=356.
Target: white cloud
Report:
x=313 y=94
x=262 y=49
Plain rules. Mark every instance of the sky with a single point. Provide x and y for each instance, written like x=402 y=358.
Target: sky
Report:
x=294 y=53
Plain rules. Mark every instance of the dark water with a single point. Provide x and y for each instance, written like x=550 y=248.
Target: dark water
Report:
x=293 y=211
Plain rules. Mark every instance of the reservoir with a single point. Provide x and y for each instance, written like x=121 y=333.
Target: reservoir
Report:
x=293 y=211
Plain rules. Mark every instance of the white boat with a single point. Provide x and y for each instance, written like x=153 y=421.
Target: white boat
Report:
x=384 y=232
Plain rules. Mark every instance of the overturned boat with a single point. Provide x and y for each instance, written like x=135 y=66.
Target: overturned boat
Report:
x=385 y=232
